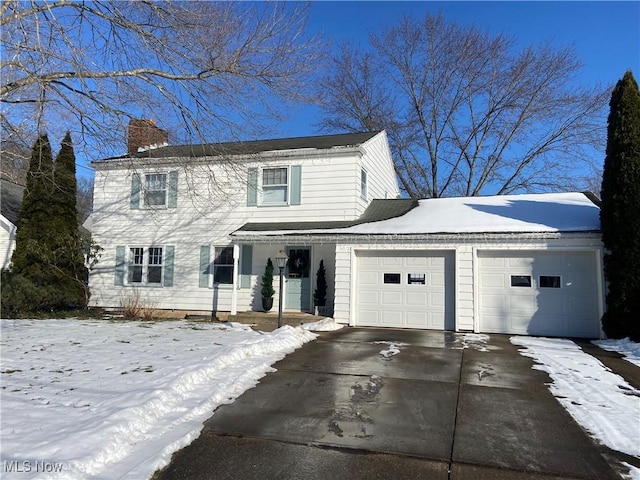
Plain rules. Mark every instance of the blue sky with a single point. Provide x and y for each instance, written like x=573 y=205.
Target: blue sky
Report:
x=606 y=35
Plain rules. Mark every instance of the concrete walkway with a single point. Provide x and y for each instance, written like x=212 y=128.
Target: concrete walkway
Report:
x=339 y=408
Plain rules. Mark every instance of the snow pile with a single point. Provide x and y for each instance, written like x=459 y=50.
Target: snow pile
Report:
x=602 y=402
x=98 y=399
x=325 y=325
x=630 y=350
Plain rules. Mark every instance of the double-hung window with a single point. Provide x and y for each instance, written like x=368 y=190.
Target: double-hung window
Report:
x=155 y=190
x=145 y=266
x=363 y=184
x=223 y=266
x=275 y=185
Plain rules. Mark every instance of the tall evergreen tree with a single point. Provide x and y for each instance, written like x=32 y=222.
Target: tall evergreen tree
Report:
x=48 y=271
x=620 y=211
x=34 y=224
x=67 y=244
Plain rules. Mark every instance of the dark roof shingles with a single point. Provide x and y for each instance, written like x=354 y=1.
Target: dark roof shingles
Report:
x=377 y=211
x=256 y=146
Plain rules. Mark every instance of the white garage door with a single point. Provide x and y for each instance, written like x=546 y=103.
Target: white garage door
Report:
x=538 y=293
x=410 y=289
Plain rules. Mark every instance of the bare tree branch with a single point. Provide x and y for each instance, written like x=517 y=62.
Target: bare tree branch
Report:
x=209 y=70
x=467 y=113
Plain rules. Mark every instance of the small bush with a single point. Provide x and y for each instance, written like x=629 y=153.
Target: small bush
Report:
x=135 y=308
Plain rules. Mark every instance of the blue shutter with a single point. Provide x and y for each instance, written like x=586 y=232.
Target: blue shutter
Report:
x=136 y=187
x=120 y=266
x=173 y=190
x=168 y=265
x=205 y=261
x=296 y=183
x=246 y=266
x=252 y=187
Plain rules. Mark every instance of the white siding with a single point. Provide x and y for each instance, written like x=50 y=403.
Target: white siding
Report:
x=212 y=203
x=7 y=240
x=381 y=177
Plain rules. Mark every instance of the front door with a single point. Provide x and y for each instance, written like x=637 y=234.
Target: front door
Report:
x=298 y=284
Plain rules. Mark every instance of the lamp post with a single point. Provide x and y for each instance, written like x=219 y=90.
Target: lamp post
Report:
x=281 y=262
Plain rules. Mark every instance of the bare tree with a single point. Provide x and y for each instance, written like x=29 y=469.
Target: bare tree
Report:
x=206 y=70
x=466 y=113
x=84 y=198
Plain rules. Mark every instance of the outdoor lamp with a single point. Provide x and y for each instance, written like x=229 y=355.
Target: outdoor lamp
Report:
x=281 y=262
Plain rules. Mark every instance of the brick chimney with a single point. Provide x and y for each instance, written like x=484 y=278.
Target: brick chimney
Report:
x=144 y=134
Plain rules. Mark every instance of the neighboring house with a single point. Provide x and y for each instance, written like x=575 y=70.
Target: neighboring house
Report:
x=190 y=228
x=10 y=202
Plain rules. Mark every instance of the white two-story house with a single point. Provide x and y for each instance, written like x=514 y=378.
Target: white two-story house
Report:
x=190 y=228
x=165 y=216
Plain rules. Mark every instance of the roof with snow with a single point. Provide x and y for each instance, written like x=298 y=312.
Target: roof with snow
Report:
x=529 y=213
x=253 y=147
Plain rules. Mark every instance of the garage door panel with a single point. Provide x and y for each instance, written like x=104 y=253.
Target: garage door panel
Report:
x=493 y=280
x=569 y=310
x=519 y=263
x=391 y=298
x=493 y=302
x=372 y=315
x=369 y=279
x=371 y=297
x=418 y=301
x=417 y=319
x=391 y=318
x=416 y=262
x=391 y=262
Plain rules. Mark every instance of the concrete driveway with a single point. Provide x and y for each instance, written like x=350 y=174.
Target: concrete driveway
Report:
x=441 y=407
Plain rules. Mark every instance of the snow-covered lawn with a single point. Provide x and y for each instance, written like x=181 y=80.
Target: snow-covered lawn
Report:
x=602 y=402
x=108 y=400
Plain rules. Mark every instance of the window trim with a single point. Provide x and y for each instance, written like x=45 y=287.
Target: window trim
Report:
x=416 y=278
x=364 y=184
x=287 y=186
x=388 y=277
x=514 y=276
x=144 y=266
x=146 y=190
x=213 y=266
x=559 y=277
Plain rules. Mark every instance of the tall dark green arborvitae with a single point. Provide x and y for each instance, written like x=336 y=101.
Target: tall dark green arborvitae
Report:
x=47 y=266
x=620 y=212
x=33 y=237
x=267 y=280
x=67 y=244
x=320 y=295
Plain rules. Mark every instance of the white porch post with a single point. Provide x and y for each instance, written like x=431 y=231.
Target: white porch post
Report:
x=234 y=291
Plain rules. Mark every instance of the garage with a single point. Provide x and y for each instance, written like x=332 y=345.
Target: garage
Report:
x=405 y=289
x=539 y=293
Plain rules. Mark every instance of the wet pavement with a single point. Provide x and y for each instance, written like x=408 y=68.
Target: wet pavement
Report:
x=443 y=407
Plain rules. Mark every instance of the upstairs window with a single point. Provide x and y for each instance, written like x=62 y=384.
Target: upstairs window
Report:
x=274 y=185
x=363 y=184
x=155 y=190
